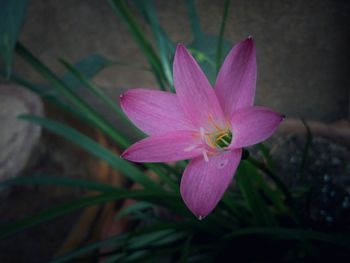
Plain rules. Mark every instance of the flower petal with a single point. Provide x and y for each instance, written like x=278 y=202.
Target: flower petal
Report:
x=154 y=112
x=236 y=81
x=195 y=94
x=204 y=183
x=174 y=146
x=253 y=125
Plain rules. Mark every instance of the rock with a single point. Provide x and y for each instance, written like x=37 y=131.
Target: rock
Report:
x=17 y=137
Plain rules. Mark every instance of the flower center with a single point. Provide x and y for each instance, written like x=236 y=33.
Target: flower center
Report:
x=223 y=139
x=218 y=137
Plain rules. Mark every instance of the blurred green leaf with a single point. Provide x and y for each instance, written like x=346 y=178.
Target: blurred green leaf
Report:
x=205 y=53
x=194 y=19
x=272 y=193
x=290 y=234
x=221 y=35
x=50 y=96
x=135 y=208
x=89 y=67
x=60 y=210
x=11 y=17
x=95 y=149
x=56 y=180
x=305 y=150
x=205 y=47
x=260 y=210
x=83 y=80
x=267 y=156
x=162 y=40
x=93 y=64
x=112 y=241
x=89 y=113
x=135 y=29
x=185 y=250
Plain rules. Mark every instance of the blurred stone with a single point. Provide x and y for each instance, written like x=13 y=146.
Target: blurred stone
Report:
x=17 y=137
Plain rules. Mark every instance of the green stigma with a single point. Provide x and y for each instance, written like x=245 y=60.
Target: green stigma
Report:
x=223 y=140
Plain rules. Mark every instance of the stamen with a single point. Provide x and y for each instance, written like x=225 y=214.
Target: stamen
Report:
x=209 y=141
x=211 y=119
x=205 y=155
x=190 y=148
x=201 y=129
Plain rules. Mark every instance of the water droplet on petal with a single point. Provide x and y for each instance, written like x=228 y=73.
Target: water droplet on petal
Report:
x=222 y=163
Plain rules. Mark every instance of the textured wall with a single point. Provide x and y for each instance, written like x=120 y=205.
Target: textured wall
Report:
x=302 y=53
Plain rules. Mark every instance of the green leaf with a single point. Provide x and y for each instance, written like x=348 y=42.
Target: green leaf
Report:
x=162 y=40
x=205 y=53
x=267 y=156
x=291 y=234
x=135 y=29
x=307 y=145
x=221 y=36
x=81 y=79
x=194 y=19
x=151 y=196
x=11 y=17
x=112 y=241
x=135 y=208
x=185 y=250
x=260 y=210
x=90 y=114
x=51 y=96
x=89 y=67
x=93 y=64
x=203 y=45
x=94 y=148
x=56 y=180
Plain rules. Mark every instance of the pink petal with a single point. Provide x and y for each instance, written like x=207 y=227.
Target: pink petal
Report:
x=204 y=183
x=253 y=125
x=154 y=112
x=195 y=94
x=236 y=81
x=173 y=146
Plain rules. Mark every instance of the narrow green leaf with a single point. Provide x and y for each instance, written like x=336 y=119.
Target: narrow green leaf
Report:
x=185 y=250
x=305 y=150
x=88 y=111
x=267 y=156
x=194 y=19
x=83 y=80
x=51 y=97
x=290 y=234
x=205 y=53
x=161 y=38
x=55 y=180
x=89 y=67
x=112 y=241
x=221 y=35
x=138 y=207
x=275 y=196
x=93 y=148
x=76 y=205
x=259 y=209
x=123 y=11
x=11 y=17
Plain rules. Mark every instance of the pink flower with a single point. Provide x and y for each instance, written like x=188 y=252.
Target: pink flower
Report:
x=209 y=126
